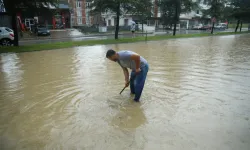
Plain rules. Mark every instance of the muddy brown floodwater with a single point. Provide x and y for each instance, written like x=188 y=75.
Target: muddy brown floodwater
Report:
x=196 y=97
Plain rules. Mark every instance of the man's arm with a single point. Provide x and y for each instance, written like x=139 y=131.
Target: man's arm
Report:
x=137 y=60
x=126 y=74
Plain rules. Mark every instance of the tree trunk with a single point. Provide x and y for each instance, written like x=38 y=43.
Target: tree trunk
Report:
x=176 y=18
x=174 y=33
x=14 y=27
x=117 y=20
x=212 y=31
x=142 y=18
x=142 y=28
x=237 y=26
x=240 y=26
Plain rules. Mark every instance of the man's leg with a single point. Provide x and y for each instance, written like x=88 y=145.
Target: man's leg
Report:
x=132 y=82
x=139 y=83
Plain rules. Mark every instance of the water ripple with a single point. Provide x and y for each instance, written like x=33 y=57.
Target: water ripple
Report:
x=194 y=87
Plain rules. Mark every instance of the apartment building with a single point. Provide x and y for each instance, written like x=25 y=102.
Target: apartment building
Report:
x=80 y=13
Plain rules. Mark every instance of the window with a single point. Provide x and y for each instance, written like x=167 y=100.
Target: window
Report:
x=197 y=12
x=159 y=9
x=126 y=22
x=79 y=20
x=87 y=4
x=79 y=12
x=8 y=29
x=72 y=20
x=78 y=4
x=87 y=21
x=109 y=22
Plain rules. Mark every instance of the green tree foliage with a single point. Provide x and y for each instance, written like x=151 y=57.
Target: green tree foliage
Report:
x=142 y=8
x=241 y=11
x=167 y=8
x=119 y=7
x=215 y=9
x=12 y=7
x=171 y=10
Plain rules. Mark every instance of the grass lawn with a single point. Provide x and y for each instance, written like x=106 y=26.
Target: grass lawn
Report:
x=244 y=25
x=60 y=45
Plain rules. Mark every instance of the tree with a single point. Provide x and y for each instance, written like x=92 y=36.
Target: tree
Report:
x=167 y=8
x=118 y=7
x=241 y=11
x=142 y=8
x=171 y=10
x=215 y=9
x=12 y=7
x=227 y=14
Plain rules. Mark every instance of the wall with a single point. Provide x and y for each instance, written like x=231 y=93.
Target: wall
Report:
x=5 y=21
x=83 y=11
x=121 y=23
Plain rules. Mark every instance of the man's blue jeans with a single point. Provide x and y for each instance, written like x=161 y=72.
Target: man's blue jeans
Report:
x=137 y=82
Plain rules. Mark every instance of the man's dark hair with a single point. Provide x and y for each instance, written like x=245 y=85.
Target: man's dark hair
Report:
x=110 y=53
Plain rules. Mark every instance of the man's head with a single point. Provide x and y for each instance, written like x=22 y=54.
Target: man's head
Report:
x=112 y=55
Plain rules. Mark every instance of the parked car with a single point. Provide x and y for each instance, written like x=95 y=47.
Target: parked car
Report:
x=6 y=36
x=59 y=26
x=221 y=26
x=197 y=27
x=42 y=30
x=206 y=27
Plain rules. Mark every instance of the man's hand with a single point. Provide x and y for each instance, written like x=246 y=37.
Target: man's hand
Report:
x=126 y=83
x=137 y=71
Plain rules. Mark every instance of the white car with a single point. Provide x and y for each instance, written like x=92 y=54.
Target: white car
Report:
x=221 y=26
x=197 y=27
x=6 y=36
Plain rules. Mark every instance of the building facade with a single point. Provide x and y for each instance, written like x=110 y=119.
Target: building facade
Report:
x=80 y=13
x=194 y=17
x=110 y=19
x=187 y=20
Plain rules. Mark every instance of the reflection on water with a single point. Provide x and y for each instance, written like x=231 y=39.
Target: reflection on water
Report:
x=196 y=97
x=129 y=116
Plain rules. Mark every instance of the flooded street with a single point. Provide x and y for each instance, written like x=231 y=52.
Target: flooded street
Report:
x=196 y=97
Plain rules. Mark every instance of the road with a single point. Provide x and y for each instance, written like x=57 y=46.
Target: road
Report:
x=65 y=39
x=75 y=35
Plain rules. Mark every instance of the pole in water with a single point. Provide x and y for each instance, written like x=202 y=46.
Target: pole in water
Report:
x=124 y=88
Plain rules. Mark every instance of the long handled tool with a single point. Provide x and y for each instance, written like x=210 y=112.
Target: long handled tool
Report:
x=124 y=88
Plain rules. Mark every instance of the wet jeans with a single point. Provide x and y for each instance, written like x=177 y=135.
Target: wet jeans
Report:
x=137 y=82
